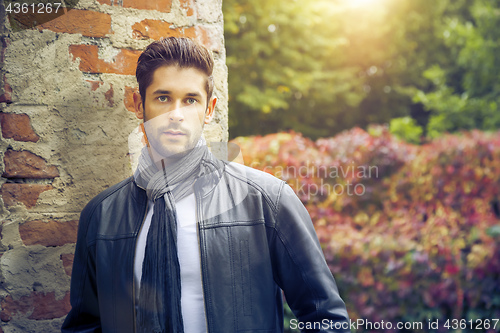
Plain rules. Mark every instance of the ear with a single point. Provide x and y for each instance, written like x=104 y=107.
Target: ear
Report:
x=139 y=107
x=210 y=109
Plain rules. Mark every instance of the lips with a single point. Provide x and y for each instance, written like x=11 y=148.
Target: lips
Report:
x=174 y=133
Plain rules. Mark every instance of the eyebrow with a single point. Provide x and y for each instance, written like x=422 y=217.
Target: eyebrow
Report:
x=168 y=92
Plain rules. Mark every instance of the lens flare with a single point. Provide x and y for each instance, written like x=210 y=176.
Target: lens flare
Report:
x=361 y=3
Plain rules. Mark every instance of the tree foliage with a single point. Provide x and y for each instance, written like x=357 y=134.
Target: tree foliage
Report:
x=322 y=66
x=285 y=65
x=465 y=91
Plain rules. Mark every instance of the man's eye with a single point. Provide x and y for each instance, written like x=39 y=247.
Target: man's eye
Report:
x=191 y=101
x=163 y=98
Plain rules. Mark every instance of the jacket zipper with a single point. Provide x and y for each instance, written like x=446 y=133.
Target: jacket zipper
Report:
x=198 y=231
x=133 y=266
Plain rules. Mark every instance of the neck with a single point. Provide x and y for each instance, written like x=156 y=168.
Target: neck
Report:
x=166 y=160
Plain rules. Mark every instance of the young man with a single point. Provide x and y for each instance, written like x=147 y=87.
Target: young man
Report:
x=191 y=243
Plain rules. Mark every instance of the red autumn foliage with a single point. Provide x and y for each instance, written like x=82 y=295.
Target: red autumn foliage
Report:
x=417 y=237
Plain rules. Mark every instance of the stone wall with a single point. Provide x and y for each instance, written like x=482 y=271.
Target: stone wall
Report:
x=65 y=99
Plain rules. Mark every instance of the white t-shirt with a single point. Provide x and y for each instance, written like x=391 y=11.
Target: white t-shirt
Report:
x=193 y=308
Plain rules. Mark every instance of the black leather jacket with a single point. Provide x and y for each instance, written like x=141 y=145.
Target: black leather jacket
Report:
x=255 y=238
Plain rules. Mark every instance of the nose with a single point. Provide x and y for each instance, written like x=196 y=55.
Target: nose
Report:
x=176 y=115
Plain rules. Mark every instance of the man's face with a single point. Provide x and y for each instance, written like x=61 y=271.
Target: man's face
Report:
x=175 y=110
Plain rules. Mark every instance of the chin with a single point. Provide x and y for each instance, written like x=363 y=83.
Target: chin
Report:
x=178 y=150
x=167 y=148
x=173 y=151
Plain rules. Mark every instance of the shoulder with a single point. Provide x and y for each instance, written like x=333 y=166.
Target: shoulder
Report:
x=256 y=180
x=120 y=202
x=114 y=212
x=111 y=193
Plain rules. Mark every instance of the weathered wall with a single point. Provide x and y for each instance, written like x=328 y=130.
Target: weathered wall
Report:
x=65 y=102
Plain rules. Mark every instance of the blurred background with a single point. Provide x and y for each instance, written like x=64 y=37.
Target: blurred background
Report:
x=409 y=89
x=322 y=66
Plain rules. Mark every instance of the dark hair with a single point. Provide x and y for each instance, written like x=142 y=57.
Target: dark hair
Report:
x=173 y=51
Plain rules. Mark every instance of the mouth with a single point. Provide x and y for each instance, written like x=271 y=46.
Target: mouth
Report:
x=174 y=133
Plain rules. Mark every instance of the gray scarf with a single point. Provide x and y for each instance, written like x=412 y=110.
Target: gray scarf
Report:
x=159 y=308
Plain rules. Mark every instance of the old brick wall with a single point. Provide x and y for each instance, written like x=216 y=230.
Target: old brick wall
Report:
x=65 y=102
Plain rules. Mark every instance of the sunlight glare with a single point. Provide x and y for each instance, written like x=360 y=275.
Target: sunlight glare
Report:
x=360 y=3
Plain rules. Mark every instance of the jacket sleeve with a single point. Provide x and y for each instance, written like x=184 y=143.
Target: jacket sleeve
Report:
x=301 y=271
x=84 y=315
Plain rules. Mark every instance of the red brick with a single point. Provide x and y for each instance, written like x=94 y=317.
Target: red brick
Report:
x=203 y=38
x=24 y=164
x=75 y=21
x=187 y=5
x=109 y=96
x=31 y=19
x=67 y=260
x=27 y=194
x=17 y=127
x=6 y=97
x=159 y=5
x=50 y=233
x=11 y=307
x=42 y=306
x=3 y=46
x=124 y=63
x=155 y=29
x=94 y=84
x=128 y=98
